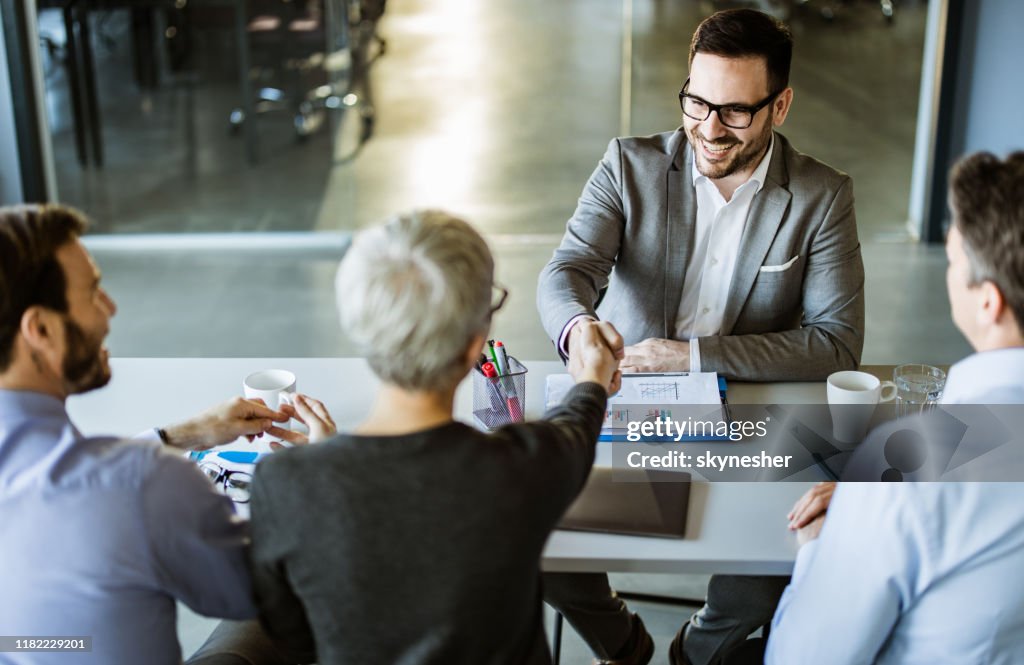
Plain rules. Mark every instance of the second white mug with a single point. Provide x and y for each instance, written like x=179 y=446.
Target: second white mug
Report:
x=852 y=397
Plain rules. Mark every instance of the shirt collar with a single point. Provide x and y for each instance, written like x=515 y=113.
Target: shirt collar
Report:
x=758 y=176
x=985 y=374
x=21 y=404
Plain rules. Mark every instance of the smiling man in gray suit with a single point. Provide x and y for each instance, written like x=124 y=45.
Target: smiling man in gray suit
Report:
x=722 y=249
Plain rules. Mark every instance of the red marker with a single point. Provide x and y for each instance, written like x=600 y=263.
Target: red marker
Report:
x=514 y=412
x=497 y=403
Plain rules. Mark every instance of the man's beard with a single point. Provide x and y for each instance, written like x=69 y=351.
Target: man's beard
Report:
x=85 y=364
x=745 y=156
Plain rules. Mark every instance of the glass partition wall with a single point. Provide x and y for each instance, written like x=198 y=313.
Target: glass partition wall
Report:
x=226 y=149
x=200 y=115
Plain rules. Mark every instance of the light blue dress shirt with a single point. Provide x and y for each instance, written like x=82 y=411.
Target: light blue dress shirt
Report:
x=99 y=537
x=915 y=573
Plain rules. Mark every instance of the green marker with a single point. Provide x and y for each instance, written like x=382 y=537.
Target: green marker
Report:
x=494 y=356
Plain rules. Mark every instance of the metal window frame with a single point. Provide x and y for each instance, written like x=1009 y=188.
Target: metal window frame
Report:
x=34 y=150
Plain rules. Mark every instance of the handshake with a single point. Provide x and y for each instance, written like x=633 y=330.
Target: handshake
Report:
x=595 y=349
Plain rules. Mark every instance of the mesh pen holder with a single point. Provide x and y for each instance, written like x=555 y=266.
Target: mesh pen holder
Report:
x=501 y=400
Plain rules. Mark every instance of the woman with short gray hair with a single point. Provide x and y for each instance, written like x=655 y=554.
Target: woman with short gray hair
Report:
x=412 y=293
x=416 y=538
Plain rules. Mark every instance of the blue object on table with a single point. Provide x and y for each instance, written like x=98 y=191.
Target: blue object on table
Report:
x=234 y=456
x=619 y=436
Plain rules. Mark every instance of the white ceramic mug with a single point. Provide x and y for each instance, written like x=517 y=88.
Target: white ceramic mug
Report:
x=274 y=386
x=852 y=398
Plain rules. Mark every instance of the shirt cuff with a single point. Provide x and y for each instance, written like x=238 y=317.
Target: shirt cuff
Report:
x=563 y=339
x=695 y=355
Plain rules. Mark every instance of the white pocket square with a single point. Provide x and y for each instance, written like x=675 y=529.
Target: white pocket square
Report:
x=780 y=268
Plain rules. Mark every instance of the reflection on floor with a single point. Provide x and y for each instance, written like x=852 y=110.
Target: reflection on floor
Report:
x=496 y=110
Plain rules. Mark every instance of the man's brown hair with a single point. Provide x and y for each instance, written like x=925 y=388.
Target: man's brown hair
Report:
x=987 y=199
x=30 y=274
x=747 y=33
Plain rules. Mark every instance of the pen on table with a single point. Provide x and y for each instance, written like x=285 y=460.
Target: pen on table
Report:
x=725 y=405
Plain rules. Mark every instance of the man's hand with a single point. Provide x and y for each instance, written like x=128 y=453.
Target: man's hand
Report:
x=811 y=505
x=657 y=355
x=595 y=348
x=568 y=336
x=223 y=423
x=811 y=531
x=312 y=414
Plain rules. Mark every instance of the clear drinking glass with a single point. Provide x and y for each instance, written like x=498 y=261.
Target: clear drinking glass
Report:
x=918 y=387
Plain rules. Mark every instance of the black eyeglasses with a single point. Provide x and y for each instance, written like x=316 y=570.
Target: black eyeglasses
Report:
x=234 y=483
x=736 y=116
x=500 y=295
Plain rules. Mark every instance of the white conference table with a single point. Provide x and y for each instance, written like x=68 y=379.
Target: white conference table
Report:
x=737 y=528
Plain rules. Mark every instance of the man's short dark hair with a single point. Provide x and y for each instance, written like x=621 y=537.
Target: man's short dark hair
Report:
x=746 y=33
x=987 y=198
x=30 y=274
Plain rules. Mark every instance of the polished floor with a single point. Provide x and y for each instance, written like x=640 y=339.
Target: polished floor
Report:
x=495 y=110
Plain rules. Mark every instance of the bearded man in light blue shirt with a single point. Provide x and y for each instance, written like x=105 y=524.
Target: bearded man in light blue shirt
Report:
x=99 y=537
x=929 y=572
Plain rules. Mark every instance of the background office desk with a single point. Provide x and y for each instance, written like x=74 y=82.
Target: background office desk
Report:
x=732 y=527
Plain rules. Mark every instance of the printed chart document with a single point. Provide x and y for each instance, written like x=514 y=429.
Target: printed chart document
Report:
x=679 y=406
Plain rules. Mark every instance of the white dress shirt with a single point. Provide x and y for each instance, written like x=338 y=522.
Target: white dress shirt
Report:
x=716 y=245
x=915 y=573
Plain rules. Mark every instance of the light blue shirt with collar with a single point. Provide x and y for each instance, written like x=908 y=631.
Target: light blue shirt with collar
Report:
x=989 y=377
x=915 y=573
x=99 y=537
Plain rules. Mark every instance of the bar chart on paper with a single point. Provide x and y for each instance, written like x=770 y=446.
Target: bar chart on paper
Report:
x=652 y=398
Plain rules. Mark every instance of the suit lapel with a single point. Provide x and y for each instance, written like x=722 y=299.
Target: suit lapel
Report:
x=680 y=220
x=767 y=212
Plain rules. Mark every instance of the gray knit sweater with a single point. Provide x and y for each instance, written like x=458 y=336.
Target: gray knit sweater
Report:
x=422 y=548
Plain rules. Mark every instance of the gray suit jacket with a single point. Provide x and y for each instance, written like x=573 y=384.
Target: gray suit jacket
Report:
x=633 y=232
